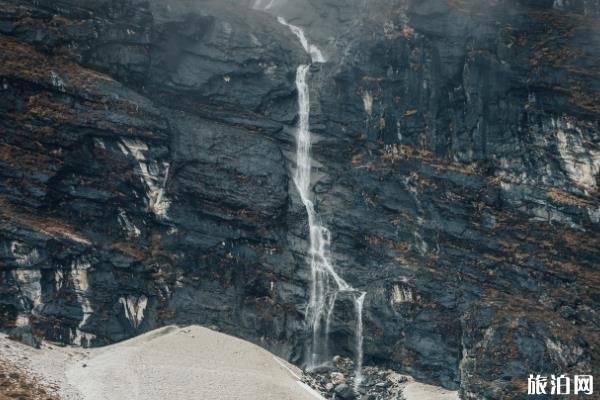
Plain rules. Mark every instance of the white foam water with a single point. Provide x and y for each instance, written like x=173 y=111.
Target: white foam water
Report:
x=315 y=53
x=326 y=283
x=263 y=4
x=358 y=305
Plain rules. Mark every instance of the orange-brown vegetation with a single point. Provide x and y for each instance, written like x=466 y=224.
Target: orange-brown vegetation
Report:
x=35 y=222
x=16 y=384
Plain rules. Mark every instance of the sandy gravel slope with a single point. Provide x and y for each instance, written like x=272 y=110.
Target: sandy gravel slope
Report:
x=413 y=390
x=185 y=363
x=171 y=363
x=46 y=366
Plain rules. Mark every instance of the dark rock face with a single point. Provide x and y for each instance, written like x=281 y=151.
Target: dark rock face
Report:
x=146 y=153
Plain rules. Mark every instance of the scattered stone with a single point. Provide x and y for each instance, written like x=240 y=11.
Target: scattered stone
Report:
x=323 y=369
x=337 y=378
x=338 y=382
x=345 y=392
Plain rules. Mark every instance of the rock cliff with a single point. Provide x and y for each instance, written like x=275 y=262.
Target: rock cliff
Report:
x=147 y=150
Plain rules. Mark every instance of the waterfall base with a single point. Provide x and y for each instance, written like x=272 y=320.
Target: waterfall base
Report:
x=337 y=380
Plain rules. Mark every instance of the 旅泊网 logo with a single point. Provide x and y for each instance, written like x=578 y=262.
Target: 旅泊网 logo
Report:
x=560 y=385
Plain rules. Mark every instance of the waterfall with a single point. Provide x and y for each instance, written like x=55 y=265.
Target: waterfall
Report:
x=358 y=305
x=315 y=53
x=326 y=283
x=260 y=4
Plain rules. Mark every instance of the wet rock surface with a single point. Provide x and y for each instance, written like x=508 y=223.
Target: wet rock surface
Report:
x=146 y=152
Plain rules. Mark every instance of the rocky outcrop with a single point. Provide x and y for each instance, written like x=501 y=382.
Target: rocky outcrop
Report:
x=147 y=149
x=142 y=180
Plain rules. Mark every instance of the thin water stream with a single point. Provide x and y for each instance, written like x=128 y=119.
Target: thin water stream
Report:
x=326 y=283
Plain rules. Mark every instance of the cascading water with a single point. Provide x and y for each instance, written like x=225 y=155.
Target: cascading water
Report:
x=315 y=53
x=263 y=4
x=358 y=303
x=325 y=281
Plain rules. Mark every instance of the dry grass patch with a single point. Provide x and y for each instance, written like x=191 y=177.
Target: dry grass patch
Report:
x=16 y=384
